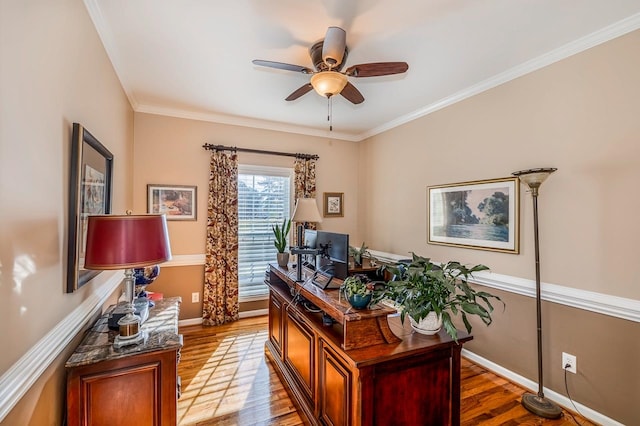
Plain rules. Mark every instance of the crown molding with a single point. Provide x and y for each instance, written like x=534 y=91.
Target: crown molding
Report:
x=615 y=30
x=603 y=35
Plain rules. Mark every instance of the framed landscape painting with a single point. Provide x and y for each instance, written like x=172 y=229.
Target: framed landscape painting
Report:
x=178 y=202
x=480 y=214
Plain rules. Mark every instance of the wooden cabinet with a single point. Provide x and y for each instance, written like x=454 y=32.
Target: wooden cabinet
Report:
x=133 y=385
x=356 y=371
x=334 y=387
x=299 y=352
x=275 y=322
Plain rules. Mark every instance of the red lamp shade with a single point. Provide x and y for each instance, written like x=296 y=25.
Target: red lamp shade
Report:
x=121 y=242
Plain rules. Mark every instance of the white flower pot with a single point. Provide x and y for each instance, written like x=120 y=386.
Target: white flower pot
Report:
x=428 y=325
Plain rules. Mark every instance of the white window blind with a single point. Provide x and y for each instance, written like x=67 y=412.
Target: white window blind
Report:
x=264 y=199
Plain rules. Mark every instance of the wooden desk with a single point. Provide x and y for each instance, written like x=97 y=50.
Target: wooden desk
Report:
x=358 y=374
x=134 y=385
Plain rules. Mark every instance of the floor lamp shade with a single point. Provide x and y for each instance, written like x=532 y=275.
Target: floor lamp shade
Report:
x=127 y=242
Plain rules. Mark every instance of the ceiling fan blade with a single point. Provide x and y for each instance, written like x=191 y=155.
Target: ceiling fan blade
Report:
x=282 y=66
x=333 y=46
x=303 y=90
x=352 y=94
x=376 y=69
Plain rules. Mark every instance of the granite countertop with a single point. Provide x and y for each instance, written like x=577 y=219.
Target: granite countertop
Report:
x=161 y=330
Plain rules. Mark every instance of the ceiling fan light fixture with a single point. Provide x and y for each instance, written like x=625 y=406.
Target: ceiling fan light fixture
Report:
x=328 y=83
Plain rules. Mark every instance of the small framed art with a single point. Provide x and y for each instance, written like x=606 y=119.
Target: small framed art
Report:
x=333 y=204
x=178 y=202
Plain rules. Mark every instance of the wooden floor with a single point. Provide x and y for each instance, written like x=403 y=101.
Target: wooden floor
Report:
x=226 y=380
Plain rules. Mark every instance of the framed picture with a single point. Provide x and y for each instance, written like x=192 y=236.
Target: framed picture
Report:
x=333 y=205
x=91 y=174
x=178 y=202
x=481 y=214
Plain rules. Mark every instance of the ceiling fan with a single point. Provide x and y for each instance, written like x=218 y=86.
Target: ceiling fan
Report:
x=329 y=56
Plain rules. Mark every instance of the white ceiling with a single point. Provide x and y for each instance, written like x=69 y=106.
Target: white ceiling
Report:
x=192 y=58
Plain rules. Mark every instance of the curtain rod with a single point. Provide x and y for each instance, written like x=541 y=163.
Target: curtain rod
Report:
x=212 y=147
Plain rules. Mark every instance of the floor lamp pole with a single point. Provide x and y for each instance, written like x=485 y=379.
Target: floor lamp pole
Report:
x=538 y=404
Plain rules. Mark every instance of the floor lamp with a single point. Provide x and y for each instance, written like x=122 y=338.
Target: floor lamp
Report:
x=538 y=404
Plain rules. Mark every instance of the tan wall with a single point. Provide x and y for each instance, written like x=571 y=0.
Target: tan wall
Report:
x=169 y=151
x=581 y=116
x=54 y=72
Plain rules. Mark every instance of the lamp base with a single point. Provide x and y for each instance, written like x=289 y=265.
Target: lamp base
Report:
x=121 y=341
x=541 y=406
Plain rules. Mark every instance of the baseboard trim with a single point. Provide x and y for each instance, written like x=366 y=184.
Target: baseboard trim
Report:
x=19 y=378
x=533 y=386
x=189 y=321
x=248 y=314
x=254 y=313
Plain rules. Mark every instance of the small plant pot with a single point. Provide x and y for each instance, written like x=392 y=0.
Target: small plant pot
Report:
x=283 y=259
x=359 y=301
x=428 y=325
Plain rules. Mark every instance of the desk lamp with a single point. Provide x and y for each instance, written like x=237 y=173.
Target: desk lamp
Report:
x=538 y=404
x=127 y=242
x=306 y=211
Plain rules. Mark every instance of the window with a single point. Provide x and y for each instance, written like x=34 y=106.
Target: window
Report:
x=264 y=199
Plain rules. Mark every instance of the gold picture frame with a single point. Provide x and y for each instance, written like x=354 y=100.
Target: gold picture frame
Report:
x=333 y=204
x=178 y=202
x=481 y=214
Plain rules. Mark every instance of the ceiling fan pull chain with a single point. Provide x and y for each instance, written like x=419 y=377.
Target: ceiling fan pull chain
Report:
x=330 y=112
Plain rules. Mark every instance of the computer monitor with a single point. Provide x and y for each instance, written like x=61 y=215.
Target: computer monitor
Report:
x=335 y=253
x=310 y=238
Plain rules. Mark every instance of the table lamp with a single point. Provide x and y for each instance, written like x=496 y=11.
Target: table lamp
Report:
x=127 y=242
x=306 y=211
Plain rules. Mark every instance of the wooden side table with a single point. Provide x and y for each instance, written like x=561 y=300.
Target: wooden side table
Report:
x=133 y=385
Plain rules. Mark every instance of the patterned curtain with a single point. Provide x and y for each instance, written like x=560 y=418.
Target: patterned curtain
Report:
x=220 y=296
x=305 y=184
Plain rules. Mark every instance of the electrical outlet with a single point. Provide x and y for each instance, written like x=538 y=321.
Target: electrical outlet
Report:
x=195 y=297
x=569 y=362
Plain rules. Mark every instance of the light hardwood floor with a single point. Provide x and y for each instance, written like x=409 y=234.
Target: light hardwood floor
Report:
x=226 y=380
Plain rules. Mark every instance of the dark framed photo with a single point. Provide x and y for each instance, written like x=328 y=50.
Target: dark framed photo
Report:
x=333 y=204
x=480 y=214
x=178 y=202
x=90 y=181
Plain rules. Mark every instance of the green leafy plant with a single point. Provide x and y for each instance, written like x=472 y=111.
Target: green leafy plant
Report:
x=421 y=286
x=281 y=233
x=358 y=284
x=358 y=253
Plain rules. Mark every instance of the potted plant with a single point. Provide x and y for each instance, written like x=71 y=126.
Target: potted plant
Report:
x=357 y=253
x=281 y=232
x=358 y=290
x=427 y=292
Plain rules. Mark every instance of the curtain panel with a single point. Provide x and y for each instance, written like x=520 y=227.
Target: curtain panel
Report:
x=220 y=295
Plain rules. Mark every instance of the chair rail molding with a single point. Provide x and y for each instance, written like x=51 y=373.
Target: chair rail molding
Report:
x=19 y=378
x=614 y=306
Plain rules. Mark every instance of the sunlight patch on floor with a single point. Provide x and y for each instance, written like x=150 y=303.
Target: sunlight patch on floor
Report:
x=226 y=382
